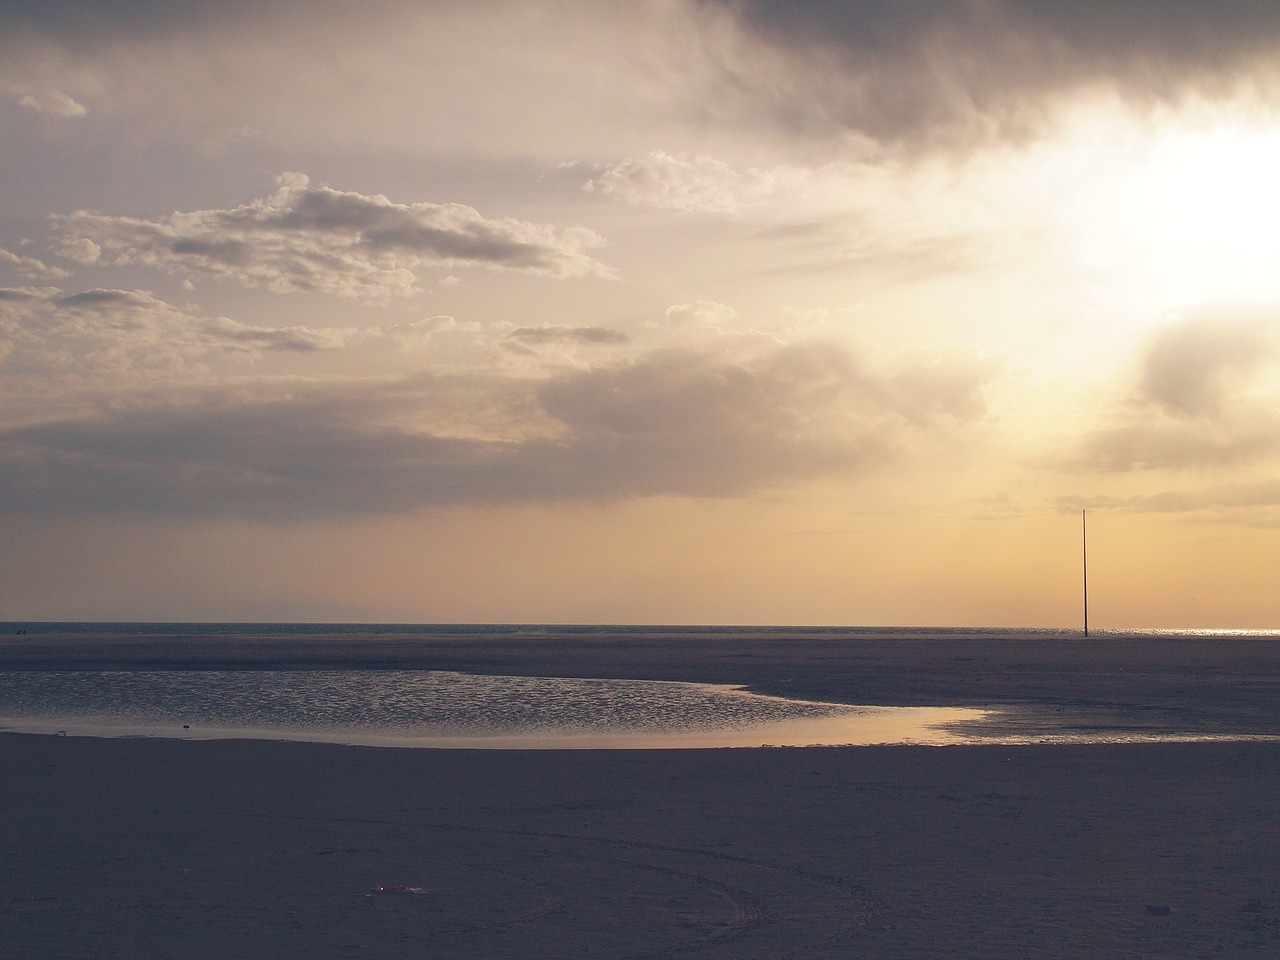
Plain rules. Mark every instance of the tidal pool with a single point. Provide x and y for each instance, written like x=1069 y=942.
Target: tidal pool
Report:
x=443 y=709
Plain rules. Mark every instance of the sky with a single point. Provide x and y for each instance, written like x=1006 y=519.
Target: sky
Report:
x=665 y=311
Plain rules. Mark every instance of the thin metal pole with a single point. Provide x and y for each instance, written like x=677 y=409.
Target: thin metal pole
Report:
x=1084 y=549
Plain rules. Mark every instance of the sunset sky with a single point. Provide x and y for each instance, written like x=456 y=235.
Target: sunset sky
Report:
x=691 y=311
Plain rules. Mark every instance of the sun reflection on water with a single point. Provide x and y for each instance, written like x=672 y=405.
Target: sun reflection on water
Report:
x=440 y=709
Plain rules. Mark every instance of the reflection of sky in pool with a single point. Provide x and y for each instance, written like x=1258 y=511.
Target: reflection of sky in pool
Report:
x=416 y=708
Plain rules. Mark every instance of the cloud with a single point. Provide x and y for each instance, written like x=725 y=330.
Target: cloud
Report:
x=415 y=334
x=1193 y=368
x=81 y=22
x=53 y=103
x=31 y=268
x=689 y=184
x=305 y=238
x=919 y=70
x=932 y=384
x=1155 y=442
x=103 y=334
x=529 y=340
x=1205 y=395
x=558 y=77
x=908 y=71
x=668 y=423
x=224 y=333
x=80 y=250
x=1236 y=497
x=699 y=313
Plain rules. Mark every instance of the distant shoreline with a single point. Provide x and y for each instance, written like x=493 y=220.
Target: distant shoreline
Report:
x=290 y=627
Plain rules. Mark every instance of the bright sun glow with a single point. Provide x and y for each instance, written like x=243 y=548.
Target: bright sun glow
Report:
x=1178 y=217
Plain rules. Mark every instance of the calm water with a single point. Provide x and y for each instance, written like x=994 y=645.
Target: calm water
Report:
x=431 y=708
x=441 y=709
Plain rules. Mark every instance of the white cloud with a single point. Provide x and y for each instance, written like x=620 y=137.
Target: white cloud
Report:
x=31 y=268
x=689 y=184
x=53 y=103
x=81 y=250
x=102 y=336
x=698 y=315
x=305 y=238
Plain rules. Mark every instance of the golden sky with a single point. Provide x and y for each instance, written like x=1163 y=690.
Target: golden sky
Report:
x=697 y=311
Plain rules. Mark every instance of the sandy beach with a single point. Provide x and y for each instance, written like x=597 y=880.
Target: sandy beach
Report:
x=160 y=848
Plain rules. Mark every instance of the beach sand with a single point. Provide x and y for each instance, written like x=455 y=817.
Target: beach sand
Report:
x=154 y=848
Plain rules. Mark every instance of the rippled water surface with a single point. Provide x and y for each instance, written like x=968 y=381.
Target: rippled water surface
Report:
x=416 y=708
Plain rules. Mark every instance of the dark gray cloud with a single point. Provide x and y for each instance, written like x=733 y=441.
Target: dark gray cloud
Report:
x=84 y=18
x=305 y=238
x=673 y=423
x=1095 y=31
x=902 y=71
x=913 y=69
x=81 y=25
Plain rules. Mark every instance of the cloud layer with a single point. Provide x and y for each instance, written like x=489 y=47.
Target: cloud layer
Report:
x=918 y=70
x=305 y=238
x=689 y=184
x=667 y=423
x=113 y=337
x=1203 y=397
x=915 y=72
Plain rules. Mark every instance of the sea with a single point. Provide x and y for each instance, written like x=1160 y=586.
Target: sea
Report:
x=447 y=709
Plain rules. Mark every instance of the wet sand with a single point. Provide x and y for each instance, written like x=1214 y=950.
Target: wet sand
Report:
x=152 y=848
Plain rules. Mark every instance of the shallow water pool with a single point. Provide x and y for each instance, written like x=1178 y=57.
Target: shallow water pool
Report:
x=443 y=709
